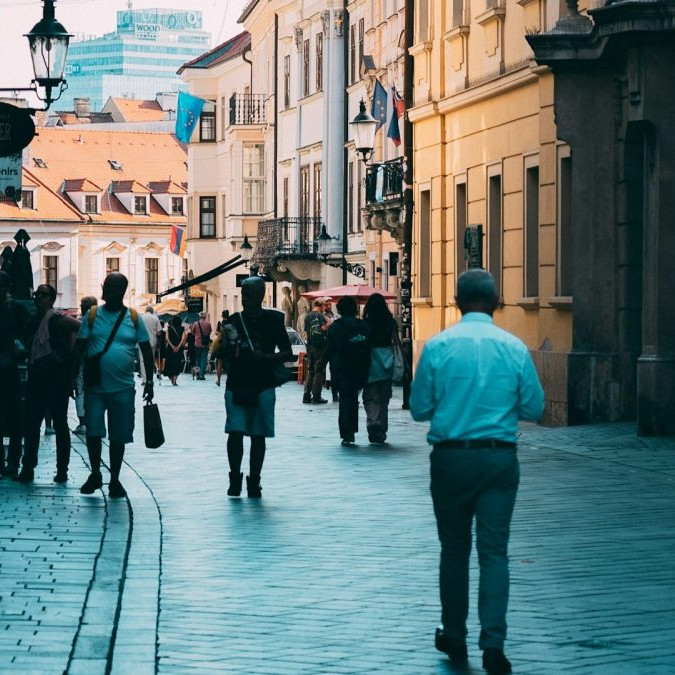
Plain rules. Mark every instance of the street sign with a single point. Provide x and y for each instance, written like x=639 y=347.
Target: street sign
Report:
x=195 y=304
x=10 y=178
x=16 y=129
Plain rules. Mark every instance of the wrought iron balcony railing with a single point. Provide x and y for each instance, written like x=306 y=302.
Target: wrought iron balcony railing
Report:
x=247 y=109
x=287 y=238
x=384 y=181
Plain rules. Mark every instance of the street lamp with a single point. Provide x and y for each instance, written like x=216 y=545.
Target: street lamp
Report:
x=48 y=41
x=325 y=251
x=364 y=126
x=246 y=252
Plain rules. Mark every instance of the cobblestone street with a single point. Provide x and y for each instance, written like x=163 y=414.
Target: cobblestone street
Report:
x=335 y=569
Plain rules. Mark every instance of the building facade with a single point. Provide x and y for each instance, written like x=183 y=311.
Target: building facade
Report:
x=492 y=178
x=95 y=202
x=139 y=59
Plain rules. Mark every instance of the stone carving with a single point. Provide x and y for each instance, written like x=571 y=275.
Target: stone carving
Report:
x=325 y=20
x=338 y=23
x=297 y=36
x=287 y=306
x=304 y=307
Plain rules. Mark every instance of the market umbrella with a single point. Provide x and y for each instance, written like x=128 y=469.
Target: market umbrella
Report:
x=360 y=292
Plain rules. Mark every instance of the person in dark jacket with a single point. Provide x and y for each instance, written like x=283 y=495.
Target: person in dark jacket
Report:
x=349 y=355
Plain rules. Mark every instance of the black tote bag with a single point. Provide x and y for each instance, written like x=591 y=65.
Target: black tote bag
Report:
x=152 y=426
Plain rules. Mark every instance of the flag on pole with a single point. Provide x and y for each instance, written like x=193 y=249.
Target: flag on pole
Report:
x=189 y=109
x=394 y=131
x=378 y=107
x=178 y=240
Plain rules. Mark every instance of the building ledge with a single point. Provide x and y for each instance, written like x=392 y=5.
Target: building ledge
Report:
x=562 y=302
x=495 y=13
x=528 y=304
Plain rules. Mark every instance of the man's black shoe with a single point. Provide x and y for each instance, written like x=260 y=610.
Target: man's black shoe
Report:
x=116 y=490
x=9 y=471
x=306 y=398
x=25 y=476
x=253 y=487
x=93 y=483
x=317 y=400
x=494 y=661
x=458 y=653
x=236 y=480
x=61 y=476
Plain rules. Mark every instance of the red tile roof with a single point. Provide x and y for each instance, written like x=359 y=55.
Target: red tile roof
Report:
x=126 y=186
x=166 y=187
x=80 y=185
x=136 y=110
x=230 y=49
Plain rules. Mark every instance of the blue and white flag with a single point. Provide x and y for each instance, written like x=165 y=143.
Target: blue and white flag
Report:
x=189 y=110
x=378 y=109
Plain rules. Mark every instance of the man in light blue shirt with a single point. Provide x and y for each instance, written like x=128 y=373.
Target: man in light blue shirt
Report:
x=474 y=381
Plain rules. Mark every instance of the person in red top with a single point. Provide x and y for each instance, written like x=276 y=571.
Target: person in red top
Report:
x=202 y=331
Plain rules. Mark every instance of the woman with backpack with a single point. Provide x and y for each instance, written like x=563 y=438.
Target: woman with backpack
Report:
x=377 y=390
x=349 y=355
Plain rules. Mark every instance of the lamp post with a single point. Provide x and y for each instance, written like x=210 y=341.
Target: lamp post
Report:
x=246 y=251
x=325 y=251
x=48 y=41
x=364 y=126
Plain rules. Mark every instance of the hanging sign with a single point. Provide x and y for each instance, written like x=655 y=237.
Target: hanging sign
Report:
x=10 y=178
x=16 y=129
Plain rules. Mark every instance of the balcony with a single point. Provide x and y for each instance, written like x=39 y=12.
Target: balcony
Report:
x=384 y=181
x=247 y=109
x=287 y=238
x=384 y=198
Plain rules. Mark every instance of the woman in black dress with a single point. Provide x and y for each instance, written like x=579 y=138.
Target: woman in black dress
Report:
x=175 y=340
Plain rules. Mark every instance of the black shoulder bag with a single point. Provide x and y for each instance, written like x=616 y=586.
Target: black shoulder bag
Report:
x=92 y=364
x=206 y=339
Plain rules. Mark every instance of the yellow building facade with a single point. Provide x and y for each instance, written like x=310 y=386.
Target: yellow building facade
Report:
x=487 y=161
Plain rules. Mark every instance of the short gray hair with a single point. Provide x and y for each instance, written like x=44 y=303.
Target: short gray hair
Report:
x=150 y=309
x=474 y=286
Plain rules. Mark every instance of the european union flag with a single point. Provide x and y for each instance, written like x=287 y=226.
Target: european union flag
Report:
x=189 y=110
x=378 y=108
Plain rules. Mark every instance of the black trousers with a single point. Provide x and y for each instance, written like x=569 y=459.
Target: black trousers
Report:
x=348 y=411
x=47 y=391
x=10 y=416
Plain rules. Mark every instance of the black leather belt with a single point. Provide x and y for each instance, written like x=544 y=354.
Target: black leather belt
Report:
x=473 y=444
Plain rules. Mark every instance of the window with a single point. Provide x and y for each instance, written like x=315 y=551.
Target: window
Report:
x=460 y=228
x=371 y=273
x=224 y=111
x=362 y=31
x=207 y=217
x=140 y=205
x=207 y=123
x=424 y=281
x=177 y=206
x=50 y=270
x=422 y=16
x=112 y=265
x=317 y=195
x=152 y=276
x=350 y=197
x=27 y=199
x=319 y=62
x=254 y=178
x=90 y=204
x=352 y=54
x=305 y=68
x=457 y=12
x=359 y=204
x=531 y=234
x=287 y=81
x=115 y=165
x=285 y=196
x=304 y=191
x=564 y=285
x=495 y=230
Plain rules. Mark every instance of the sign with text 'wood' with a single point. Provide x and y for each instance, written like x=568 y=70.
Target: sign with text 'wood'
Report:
x=16 y=129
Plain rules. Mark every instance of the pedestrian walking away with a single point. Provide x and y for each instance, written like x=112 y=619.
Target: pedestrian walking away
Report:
x=377 y=390
x=349 y=355
x=176 y=337
x=50 y=337
x=87 y=302
x=330 y=317
x=250 y=395
x=201 y=330
x=317 y=341
x=13 y=321
x=474 y=381
x=107 y=339
x=154 y=327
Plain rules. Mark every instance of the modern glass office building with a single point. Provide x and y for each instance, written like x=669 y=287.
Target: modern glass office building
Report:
x=138 y=60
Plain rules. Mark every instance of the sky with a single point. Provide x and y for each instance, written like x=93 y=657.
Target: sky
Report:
x=94 y=17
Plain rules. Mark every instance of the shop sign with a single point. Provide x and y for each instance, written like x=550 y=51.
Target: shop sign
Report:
x=10 y=178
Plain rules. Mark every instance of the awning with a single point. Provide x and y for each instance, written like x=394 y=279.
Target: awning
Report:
x=211 y=274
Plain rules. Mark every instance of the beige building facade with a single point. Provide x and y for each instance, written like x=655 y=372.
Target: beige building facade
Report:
x=492 y=180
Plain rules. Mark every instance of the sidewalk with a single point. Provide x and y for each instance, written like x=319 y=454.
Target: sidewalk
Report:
x=335 y=569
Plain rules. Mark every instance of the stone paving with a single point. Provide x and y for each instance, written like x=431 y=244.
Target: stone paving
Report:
x=335 y=569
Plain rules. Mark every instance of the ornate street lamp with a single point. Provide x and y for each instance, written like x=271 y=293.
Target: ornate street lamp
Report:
x=325 y=251
x=324 y=243
x=48 y=41
x=364 y=126
x=246 y=250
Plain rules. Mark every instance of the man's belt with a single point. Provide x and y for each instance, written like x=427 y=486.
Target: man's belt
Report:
x=474 y=443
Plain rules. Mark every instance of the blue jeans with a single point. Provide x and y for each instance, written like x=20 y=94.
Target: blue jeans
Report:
x=480 y=483
x=201 y=355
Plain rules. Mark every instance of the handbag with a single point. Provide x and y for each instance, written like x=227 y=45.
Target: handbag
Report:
x=91 y=372
x=400 y=369
x=152 y=426
x=279 y=374
x=206 y=339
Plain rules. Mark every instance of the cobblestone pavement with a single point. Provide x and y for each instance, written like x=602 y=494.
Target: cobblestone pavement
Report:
x=335 y=569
